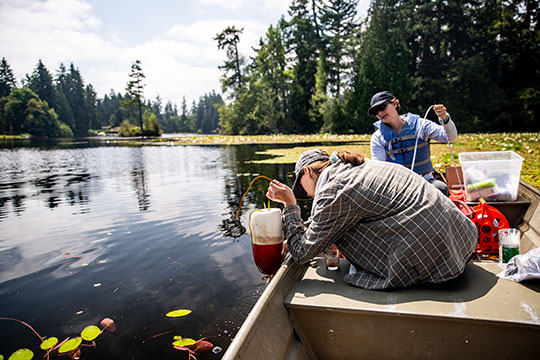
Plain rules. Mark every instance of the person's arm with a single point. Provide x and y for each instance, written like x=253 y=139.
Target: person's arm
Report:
x=377 y=147
x=333 y=216
x=281 y=193
x=450 y=129
x=431 y=130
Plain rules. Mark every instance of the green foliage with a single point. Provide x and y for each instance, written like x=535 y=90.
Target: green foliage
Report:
x=178 y=313
x=151 y=125
x=90 y=332
x=65 y=131
x=48 y=343
x=135 y=90
x=24 y=112
x=530 y=98
x=22 y=354
x=317 y=69
x=319 y=98
x=7 y=79
x=479 y=58
x=232 y=79
x=129 y=130
x=41 y=82
x=179 y=341
x=303 y=45
x=70 y=345
x=338 y=18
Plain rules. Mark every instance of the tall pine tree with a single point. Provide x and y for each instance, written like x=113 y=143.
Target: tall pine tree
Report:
x=7 y=79
x=135 y=90
x=41 y=82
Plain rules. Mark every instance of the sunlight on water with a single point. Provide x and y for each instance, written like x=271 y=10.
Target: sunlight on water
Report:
x=128 y=233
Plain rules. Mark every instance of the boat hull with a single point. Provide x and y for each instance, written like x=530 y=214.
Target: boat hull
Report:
x=311 y=313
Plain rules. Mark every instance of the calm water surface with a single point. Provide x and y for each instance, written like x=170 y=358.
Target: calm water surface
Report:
x=93 y=230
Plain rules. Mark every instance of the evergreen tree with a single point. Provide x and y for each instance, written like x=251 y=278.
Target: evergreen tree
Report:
x=167 y=123
x=72 y=106
x=382 y=62
x=105 y=108
x=65 y=114
x=231 y=80
x=135 y=90
x=157 y=107
x=270 y=82
x=319 y=98
x=41 y=82
x=519 y=61
x=90 y=106
x=339 y=22
x=7 y=79
x=182 y=126
x=303 y=43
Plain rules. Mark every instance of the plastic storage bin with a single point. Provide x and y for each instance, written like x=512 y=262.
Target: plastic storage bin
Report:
x=492 y=175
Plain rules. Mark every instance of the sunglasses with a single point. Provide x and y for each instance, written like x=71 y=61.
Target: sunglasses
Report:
x=380 y=107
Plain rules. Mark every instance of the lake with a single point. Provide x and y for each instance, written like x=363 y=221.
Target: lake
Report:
x=92 y=229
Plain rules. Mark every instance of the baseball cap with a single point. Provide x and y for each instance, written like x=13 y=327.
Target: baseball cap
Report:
x=304 y=160
x=378 y=99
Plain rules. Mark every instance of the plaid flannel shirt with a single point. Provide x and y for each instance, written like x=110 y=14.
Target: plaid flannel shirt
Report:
x=392 y=225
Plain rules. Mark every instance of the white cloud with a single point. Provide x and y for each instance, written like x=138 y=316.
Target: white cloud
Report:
x=238 y=5
x=181 y=60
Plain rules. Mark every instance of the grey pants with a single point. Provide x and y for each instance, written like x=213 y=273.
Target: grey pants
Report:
x=441 y=186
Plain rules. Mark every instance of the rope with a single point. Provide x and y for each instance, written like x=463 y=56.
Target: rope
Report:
x=249 y=187
x=449 y=147
x=416 y=143
x=453 y=159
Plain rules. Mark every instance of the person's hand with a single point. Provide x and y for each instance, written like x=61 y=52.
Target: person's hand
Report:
x=440 y=110
x=284 y=250
x=279 y=192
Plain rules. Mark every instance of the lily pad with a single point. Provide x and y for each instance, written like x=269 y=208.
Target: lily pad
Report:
x=48 y=343
x=69 y=345
x=183 y=342
x=22 y=354
x=178 y=313
x=91 y=332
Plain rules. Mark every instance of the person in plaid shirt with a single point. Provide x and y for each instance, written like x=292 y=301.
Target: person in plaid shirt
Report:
x=394 y=227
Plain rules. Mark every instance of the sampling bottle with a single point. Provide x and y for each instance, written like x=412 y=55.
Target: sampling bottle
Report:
x=266 y=239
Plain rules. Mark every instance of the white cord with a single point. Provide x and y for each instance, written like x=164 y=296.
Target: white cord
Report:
x=453 y=160
x=449 y=147
x=417 y=136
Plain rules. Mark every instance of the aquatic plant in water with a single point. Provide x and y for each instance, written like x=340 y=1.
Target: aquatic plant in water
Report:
x=70 y=346
x=193 y=347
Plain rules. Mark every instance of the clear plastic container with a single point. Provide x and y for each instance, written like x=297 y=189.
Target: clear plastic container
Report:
x=492 y=175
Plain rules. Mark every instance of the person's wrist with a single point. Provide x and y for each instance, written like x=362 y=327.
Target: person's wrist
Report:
x=289 y=203
x=446 y=120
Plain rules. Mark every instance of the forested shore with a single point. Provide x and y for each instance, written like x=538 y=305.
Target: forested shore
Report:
x=315 y=72
x=63 y=105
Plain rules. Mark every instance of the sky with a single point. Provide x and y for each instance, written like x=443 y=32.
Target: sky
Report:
x=173 y=39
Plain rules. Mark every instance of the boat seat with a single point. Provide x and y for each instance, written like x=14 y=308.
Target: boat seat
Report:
x=476 y=315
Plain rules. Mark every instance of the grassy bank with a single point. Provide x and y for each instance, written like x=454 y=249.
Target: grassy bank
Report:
x=525 y=144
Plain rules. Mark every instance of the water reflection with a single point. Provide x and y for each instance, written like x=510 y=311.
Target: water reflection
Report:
x=143 y=222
